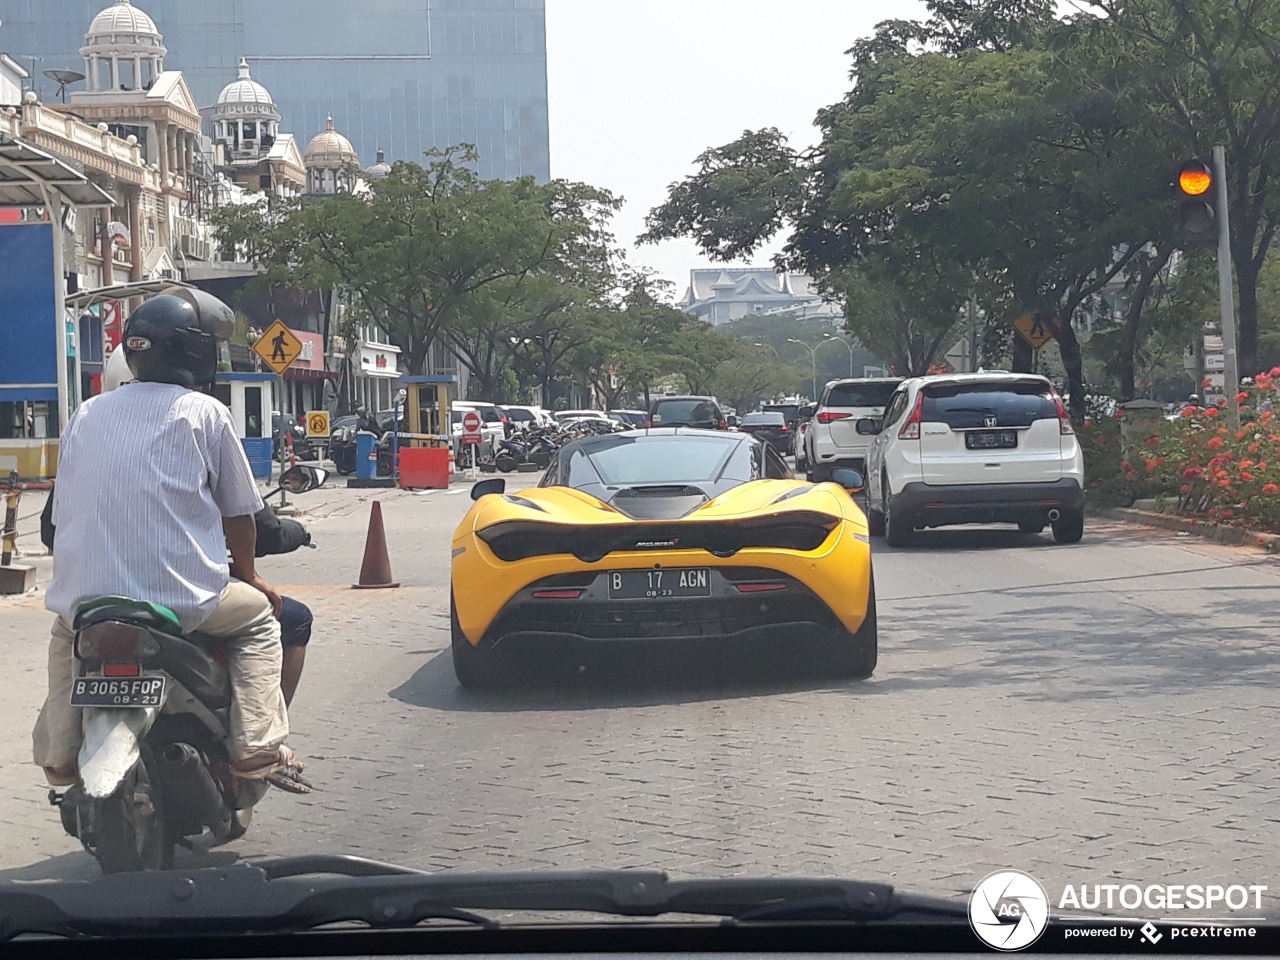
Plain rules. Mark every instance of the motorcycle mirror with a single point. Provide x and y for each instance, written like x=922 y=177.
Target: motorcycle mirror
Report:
x=302 y=478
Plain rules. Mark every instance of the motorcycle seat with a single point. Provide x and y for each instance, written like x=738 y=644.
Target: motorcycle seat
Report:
x=143 y=613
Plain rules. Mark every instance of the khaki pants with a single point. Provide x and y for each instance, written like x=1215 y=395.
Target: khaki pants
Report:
x=244 y=620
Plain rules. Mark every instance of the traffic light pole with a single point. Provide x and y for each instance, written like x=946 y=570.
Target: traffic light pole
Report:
x=1226 y=299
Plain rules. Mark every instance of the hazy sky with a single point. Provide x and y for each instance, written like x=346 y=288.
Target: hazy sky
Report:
x=638 y=88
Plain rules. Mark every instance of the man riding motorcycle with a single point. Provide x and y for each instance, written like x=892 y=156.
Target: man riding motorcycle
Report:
x=273 y=536
x=153 y=489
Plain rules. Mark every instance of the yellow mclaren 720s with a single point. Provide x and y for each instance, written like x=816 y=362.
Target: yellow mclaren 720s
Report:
x=661 y=536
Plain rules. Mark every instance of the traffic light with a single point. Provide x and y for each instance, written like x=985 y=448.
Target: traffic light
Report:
x=1195 y=191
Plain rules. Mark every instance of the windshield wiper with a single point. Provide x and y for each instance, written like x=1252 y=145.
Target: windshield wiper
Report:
x=302 y=893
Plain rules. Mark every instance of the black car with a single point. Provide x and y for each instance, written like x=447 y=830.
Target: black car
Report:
x=771 y=427
x=701 y=412
x=789 y=411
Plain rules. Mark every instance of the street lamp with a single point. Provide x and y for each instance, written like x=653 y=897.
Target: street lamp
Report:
x=766 y=346
x=832 y=338
x=813 y=360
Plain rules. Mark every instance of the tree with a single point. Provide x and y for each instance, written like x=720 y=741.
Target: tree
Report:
x=745 y=380
x=425 y=250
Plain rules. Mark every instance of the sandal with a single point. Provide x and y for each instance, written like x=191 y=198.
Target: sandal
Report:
x=283 y=771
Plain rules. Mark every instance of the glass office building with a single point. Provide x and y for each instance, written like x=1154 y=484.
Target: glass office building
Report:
x=401 y=75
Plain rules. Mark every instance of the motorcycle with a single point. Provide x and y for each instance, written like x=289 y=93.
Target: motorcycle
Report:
x=342 y=451
x=155 y=769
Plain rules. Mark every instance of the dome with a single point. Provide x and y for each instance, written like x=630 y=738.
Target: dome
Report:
x=122 y=26
x=329 y=149
x=381 y=168
x=244 y=96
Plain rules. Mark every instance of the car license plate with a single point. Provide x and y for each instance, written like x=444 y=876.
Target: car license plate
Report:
x=990 y=439
x=117 y=691
x=659 y=584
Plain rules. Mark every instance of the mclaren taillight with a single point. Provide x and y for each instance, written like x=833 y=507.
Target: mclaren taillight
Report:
x=829 y=416
x=115 y=641
x=911 y=429
x=1064 y=419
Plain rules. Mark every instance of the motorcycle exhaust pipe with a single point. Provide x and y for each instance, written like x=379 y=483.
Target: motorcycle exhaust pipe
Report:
x=194 y=800
x=1054 y=515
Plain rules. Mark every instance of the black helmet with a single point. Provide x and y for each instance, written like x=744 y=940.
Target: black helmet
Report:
x=174 y=337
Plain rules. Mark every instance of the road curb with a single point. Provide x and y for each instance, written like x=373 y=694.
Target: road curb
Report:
x=1217 y=532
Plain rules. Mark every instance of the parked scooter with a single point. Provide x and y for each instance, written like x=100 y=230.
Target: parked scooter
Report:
x=154 y=762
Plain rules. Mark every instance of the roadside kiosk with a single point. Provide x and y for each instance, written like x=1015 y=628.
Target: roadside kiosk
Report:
x=249 y=396
x=423 y=451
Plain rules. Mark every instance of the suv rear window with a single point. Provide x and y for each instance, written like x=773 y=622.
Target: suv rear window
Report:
x=771 y=418
x=860 y=394
x=668 y=412
x=789 y=411
x=969 y=405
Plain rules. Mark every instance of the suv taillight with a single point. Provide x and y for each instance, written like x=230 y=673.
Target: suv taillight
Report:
x=827 y=416
x=724 y=424
x=911 y=429
x=1064 y=419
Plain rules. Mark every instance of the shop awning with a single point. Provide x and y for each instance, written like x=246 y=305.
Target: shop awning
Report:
x=119 y=291
x=28 y=174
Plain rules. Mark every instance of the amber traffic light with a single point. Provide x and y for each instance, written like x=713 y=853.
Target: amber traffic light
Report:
x=1195 y=193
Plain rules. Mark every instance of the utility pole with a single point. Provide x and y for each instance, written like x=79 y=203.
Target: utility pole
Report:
x=1226 y=304
x=973 y=332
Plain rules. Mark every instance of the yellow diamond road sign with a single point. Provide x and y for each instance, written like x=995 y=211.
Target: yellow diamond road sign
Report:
x=278 y=347
x=1036 y=330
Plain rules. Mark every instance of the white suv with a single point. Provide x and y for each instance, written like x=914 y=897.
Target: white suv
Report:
x=974 y=448
x=832 y=439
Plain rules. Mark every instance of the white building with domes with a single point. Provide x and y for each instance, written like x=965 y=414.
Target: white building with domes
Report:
x=247 y=141
x=331 y=163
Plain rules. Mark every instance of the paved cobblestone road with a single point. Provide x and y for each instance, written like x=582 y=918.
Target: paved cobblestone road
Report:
x=1103 y=712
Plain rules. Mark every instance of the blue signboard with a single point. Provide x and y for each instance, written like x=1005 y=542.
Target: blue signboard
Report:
x=29 y=325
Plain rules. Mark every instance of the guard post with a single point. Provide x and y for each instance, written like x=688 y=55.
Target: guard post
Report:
x=424 y=451
x=249 y=397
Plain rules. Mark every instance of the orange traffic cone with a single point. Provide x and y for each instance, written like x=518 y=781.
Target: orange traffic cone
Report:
x=375 y=572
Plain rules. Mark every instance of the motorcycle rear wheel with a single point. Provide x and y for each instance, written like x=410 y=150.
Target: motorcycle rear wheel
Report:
x=129 y=838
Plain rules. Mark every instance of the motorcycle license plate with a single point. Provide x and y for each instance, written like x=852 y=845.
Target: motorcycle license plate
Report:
x=122 y=692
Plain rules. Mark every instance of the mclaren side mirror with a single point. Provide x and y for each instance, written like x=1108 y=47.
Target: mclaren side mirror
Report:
x=848 y=478
x=485 y=487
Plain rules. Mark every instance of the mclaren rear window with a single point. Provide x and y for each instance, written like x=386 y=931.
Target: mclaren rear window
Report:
x=969 y=405
x=860 y=394
x=657 y=460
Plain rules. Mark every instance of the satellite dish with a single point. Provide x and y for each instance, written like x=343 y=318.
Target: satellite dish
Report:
x=63 y=78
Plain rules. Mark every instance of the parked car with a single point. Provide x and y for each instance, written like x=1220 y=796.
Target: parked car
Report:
x=700 y=412
x=521 y=419
x=804 y=420
x=629 y=418
x=563 y=415
x=974 y=448
x=832 y=439
x=771 y=427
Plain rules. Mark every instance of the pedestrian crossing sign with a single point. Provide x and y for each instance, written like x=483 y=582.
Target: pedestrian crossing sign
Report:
x=278 y=347
x=1037 y=330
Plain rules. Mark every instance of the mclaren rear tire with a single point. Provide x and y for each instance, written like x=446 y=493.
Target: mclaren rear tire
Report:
x=854 y=655
x=475 y=669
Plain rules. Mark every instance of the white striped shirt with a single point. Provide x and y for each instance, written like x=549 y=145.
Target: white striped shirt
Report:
x=145 y=475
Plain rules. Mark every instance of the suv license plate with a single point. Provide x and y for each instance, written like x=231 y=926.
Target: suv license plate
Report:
x=990 y=439
x=121 y=692
x=659 y=584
